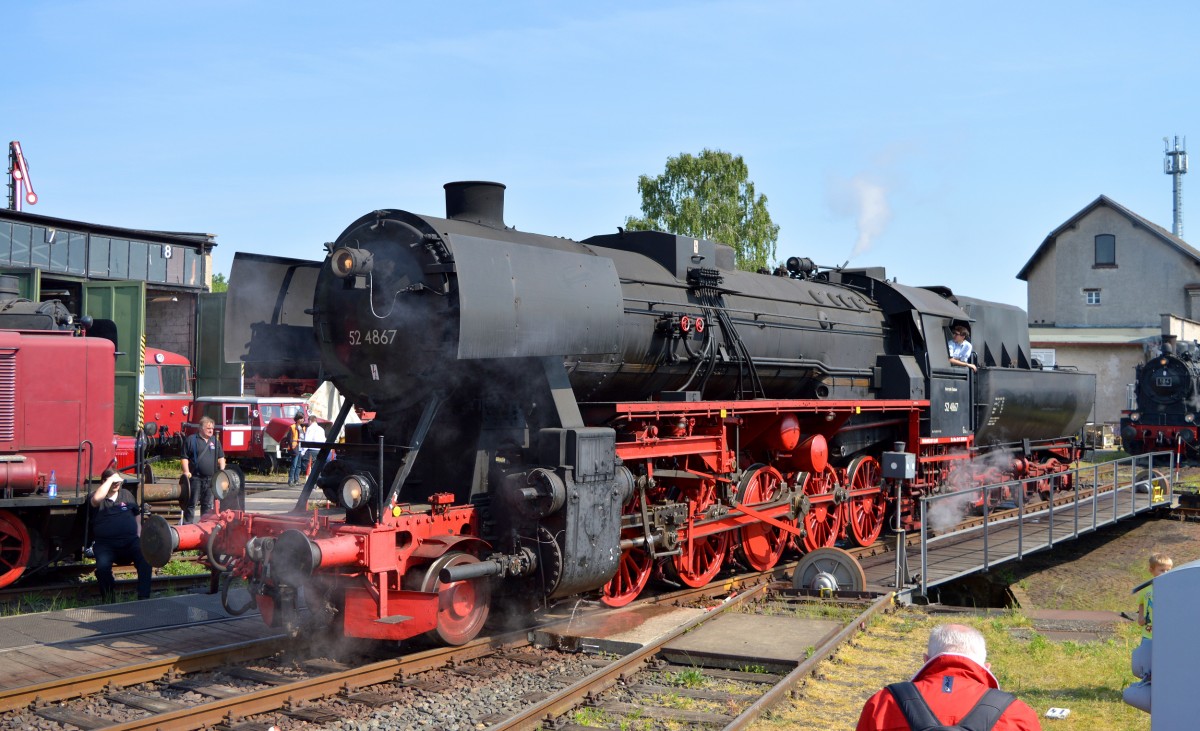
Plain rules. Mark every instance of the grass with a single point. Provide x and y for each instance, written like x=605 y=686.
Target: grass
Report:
x=33 y=602
x=806 y=610
x=169 y=470
x=690 y=678
x=1085 y=677
x=588 y=716
x=177 y=567
x=184 y=564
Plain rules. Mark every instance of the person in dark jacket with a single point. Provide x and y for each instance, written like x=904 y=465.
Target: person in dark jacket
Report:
x=202 y=458
x=116 y=530
x=953 y=680
x=293 y=438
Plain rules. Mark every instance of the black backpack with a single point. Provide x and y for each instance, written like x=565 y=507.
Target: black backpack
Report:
x=981 y=718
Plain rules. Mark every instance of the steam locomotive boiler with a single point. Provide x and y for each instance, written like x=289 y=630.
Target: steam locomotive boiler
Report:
x=1167 y=402
x=559 y=417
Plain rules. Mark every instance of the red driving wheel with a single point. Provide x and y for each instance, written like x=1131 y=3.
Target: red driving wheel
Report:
x=633 y=573
x=15 y=546
x=633 y=569
x=699 y=561
x=823 y=523
x=865 y=512
x=762 y=543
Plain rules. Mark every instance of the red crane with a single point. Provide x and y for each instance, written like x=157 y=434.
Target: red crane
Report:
x=19 y=186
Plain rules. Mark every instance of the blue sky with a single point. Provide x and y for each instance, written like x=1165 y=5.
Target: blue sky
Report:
x=942 y=141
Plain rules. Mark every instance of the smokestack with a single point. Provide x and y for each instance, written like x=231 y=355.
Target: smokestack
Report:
x=10 y=288
x=476 y=201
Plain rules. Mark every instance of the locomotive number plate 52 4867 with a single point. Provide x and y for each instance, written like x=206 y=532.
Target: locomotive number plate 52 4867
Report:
x=372 y=337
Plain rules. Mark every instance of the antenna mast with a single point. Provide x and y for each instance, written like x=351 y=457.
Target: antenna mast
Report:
x=1175 y=165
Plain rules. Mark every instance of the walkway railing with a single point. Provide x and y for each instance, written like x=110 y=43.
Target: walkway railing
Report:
x=1104 y=493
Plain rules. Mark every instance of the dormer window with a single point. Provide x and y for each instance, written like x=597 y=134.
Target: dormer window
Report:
x=1106 y=250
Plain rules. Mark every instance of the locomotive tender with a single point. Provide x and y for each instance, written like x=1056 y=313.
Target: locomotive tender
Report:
x=557 y=417
x=1167 y=402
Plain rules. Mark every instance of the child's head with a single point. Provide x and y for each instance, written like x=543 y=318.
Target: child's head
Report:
x=1160 y=563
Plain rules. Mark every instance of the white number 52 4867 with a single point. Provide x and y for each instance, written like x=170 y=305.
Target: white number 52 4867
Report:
x=372 y=337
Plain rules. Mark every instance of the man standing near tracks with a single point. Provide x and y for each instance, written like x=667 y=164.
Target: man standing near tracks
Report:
x=955 y=686
x=293 y=443
x=313 y=434
x=202 y=458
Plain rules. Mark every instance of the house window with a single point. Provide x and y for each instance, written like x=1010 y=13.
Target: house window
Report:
x=1106 y=250
x=1092 y=295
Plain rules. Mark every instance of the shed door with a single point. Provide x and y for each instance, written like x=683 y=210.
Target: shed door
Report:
x=214 y=376
x=125 y=304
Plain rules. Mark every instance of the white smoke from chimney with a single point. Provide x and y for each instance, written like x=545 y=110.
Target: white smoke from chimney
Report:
x=866 y=200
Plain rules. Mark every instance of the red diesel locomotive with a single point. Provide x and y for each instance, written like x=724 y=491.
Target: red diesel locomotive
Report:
x=56 y=429
x=557 y=418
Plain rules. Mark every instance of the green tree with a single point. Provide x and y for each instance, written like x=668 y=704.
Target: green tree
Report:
x=219 y=284
x=709 y=196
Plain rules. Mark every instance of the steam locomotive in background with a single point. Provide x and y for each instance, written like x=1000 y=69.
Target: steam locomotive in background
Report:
x=559 y=417
x=1166 y=404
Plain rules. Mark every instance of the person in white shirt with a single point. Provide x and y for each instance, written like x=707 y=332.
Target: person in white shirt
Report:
x=315 y=434
x=960 y=348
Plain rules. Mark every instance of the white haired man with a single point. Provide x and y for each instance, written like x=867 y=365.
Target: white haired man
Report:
x=202 y=458
x=955 y=686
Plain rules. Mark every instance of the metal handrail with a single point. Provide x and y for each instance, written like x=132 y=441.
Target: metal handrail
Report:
x=1130 y=466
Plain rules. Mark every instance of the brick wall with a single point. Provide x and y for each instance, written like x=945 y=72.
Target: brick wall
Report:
x=171 y=325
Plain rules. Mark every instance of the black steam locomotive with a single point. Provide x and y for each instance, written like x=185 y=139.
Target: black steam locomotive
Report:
x=1167 y=402
x=556 y=417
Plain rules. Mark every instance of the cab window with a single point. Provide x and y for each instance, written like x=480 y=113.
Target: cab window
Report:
x=237 y=416
x=153 y=381
x=173 y=379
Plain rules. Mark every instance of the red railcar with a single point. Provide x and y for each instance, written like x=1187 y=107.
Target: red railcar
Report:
x=167 y=391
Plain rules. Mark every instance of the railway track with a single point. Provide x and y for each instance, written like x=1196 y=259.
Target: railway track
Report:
x=521 y=685
x=718 y=689
x=279 y=675
x=276 y=678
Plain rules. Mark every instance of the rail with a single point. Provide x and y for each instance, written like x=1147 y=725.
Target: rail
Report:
x=1107 y=500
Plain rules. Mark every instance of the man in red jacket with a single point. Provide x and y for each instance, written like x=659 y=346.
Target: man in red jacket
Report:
x=952 y=682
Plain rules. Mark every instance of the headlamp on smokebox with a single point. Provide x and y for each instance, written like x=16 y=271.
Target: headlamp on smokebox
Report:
x=225 y=484
x=352 y=264
x=356 y=491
